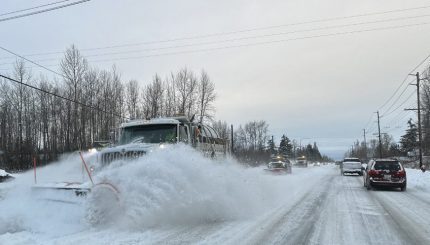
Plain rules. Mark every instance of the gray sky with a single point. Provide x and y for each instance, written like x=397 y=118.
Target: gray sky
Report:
x=317 y=89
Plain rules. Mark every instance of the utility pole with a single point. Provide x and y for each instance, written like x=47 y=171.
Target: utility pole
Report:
x=418 y=109
x=365 y=144
x=232 y=140
x=379 y=136
x=420 y=136
x=273 y=144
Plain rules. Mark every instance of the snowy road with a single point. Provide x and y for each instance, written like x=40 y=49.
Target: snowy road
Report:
x=312 y=206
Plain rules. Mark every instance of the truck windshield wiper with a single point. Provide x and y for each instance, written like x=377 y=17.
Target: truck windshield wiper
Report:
x=138 y=139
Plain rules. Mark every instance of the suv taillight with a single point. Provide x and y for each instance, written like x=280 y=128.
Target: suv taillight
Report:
x=401 y=173
x=373 y=173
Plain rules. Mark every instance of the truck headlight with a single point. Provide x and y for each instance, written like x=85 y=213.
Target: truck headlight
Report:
x=92 y=150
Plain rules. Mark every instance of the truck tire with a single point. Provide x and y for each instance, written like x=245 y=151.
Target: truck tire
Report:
x=103 y=205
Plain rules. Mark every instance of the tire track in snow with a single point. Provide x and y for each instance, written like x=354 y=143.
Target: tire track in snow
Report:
x=353 y=216
x=338 y=222
x=412 y=219
x=296 y=225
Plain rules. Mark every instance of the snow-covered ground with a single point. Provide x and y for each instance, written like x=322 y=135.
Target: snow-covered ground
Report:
x=176 y=196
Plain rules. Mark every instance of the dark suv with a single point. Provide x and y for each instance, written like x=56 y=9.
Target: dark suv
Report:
x=385 y=173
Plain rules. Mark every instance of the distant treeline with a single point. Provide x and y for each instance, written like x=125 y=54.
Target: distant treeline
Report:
x=254 y=146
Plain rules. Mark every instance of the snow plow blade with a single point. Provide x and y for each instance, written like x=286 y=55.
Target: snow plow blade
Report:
x=61 y=192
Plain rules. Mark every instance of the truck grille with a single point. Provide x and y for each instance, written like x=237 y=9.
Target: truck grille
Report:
x=117 y=156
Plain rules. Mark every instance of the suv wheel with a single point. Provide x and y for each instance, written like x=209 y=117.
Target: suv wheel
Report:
x=368 y=186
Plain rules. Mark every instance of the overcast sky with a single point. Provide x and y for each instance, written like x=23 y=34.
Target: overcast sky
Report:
x=322 y=89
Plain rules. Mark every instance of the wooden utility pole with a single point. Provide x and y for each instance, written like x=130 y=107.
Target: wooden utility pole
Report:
x=420 y=136
x=418 y=109
x=379 y=136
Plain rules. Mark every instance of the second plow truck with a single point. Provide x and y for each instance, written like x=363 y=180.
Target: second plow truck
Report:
x=136 y=138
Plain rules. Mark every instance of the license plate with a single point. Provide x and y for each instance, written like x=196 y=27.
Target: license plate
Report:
x=387 y=176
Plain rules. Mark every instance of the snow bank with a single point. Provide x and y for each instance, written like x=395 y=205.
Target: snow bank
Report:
x=418 y=180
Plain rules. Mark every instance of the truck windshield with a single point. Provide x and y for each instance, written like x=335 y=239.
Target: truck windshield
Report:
x=161 y=133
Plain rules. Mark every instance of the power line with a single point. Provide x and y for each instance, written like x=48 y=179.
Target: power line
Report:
x=368 y=121
x=401 y=114
x=228 y=40
x=61 y=97
x=396 y=100
x=403 y=81
x=32 y=62
x=407 y=99
x=43 y=10
x=395 y=92
x=278 y=41
x=36 y=7
x=261 y=43
x=274 y=26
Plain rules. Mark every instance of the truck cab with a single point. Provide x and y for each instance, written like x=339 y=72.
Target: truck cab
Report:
x=138 y=137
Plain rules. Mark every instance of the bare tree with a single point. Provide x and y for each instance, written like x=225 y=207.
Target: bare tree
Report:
x=186 y=85
x=153 y=98
x=206 y=97
x=221 y=128
x=73 y=67
x=170 y=101
x=132 y=98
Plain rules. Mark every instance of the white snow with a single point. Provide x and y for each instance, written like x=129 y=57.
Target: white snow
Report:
x=177 y=196
x=418 y=180
x=4 y=173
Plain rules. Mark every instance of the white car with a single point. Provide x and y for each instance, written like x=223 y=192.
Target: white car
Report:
x=351 y=166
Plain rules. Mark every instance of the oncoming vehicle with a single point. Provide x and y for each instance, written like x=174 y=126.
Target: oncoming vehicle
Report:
x=138 y=137
x=351 y=165
x=302 y=162
x=279 y=165
x=385 y=173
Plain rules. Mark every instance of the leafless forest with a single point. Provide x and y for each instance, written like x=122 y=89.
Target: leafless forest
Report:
x=34 y=123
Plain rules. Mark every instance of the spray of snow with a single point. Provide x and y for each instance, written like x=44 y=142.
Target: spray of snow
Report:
x=167 y=187
x=179 y=186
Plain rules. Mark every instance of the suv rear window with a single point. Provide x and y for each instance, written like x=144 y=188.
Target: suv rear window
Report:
x=387 y=165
